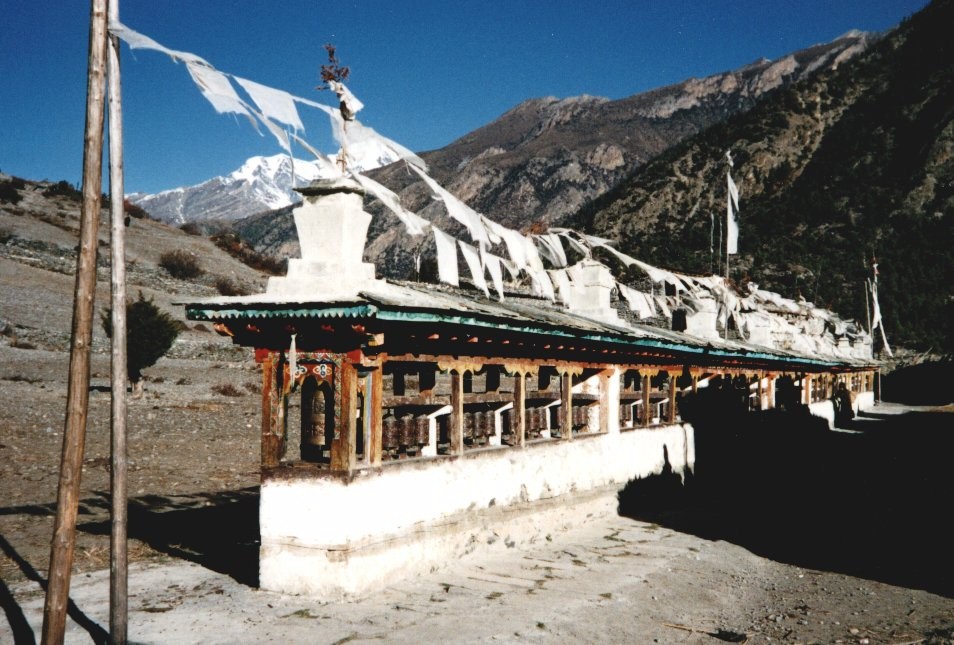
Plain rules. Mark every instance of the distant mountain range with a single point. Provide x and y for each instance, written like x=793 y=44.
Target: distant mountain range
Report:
x=541 y=161
x=844 y=152
x=850 y=165
x=261 y=184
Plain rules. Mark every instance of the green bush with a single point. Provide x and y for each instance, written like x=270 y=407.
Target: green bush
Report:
x=150 y=333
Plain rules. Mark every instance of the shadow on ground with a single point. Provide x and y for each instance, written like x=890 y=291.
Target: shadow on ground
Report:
x=216 y=530
x=874 y=503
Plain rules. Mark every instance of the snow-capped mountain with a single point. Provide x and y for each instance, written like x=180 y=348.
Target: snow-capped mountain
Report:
x=261 y=184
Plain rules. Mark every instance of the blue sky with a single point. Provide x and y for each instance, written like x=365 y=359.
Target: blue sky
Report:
x=427 y=71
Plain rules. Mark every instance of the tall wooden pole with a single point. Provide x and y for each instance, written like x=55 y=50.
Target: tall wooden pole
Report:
x=77 y=398
x=118 y=571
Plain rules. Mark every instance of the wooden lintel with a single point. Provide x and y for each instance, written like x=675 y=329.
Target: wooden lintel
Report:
x=460 y=366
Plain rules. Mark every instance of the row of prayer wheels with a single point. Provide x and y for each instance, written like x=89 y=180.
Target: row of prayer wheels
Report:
x=479 y=426
x=409 y=432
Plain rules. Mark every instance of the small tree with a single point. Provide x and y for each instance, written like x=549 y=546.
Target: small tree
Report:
x=150 y=333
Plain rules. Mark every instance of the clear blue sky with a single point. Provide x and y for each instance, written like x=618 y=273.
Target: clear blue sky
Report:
x=427 y=71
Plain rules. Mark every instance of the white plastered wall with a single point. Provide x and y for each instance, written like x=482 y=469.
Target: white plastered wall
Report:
x=330 y=538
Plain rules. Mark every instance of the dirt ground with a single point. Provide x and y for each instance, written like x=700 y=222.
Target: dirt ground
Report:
x=787 y=532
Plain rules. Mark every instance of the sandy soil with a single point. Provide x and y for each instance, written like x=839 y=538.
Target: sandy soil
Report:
x=786 y=533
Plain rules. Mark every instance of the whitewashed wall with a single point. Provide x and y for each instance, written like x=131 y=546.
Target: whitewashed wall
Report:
x=328 y=537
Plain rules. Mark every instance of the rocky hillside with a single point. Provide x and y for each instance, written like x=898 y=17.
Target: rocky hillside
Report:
x=852 y=164
x=39 y=234
x=544 y=159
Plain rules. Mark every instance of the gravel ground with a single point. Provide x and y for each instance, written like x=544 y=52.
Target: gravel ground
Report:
x=757 y=551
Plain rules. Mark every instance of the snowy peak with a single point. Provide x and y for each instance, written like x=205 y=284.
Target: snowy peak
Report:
x=260 y=184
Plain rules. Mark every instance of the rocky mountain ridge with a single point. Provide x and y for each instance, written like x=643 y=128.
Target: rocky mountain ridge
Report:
x=541 y=161
x=851 y=165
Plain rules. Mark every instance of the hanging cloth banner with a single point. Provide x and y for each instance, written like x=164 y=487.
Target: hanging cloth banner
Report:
x=456 y=208
x=492 y=263
x=562 y=283
x=731 y=225
x=473 y=263
x=277 y=105
x=349 y=102
x=516 y=247
x=541 y=283
x=637 y=301
x=414 y=223
x=552 y=248
x=217 y=90
x=446 y=257
x=135 y=40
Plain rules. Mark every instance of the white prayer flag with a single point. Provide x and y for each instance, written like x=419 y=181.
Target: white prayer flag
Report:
x=473 y=263
x=414 y=223
x=562 y=283
x=732 y=227
x=446 y=257
x=492 y=262
x=456 y=208
x=215 y=87
x=274 y=104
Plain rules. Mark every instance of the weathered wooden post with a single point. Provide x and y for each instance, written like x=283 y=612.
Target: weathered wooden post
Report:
x=119 y=576
x=77 y=397
x=566 y=405
x=457 y=412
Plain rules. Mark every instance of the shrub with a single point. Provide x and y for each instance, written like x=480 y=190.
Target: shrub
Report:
x=180 y=264
x=9 y=190
x=191 y=228
x=137 y=212
x=150 y=333
x=200 y=327
x=6 y=235
x=227 y=389
x=238 y=249
x=64 y=189
x=227 y=287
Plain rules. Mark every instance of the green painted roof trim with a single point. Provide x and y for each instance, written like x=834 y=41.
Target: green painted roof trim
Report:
x=420 y=316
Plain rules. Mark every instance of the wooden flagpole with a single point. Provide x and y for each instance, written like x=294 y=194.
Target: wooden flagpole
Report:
x=77 y=398
x=118 y=561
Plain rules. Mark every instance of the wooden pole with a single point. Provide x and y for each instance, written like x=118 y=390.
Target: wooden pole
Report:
x=456 y=434
x=118 y=571
x=566 y=406
x=647 y=415
x=77 y=397
x=518 y=418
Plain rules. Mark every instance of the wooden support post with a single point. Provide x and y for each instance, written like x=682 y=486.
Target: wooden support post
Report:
x=272 y=385
x=457 y=412
x=518 y=417
x=605 y=404
x=759 y=391
x=695 y=383
x=77 y=397
x=807 y=388
x=343 y=457
x=770 y=398
x=566 y=406
x=375 y=410
x=672 y=416
x=118 y=556
x=647 y=414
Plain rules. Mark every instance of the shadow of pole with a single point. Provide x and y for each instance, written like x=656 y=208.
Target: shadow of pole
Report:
x=218 y=531
x=22 y=632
